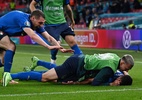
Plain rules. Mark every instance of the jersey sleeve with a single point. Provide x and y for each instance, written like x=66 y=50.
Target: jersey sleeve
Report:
x=40 y=30
x=23 y=22
x=103 y=76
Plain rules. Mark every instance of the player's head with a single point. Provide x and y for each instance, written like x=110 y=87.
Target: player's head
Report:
x=37 y=18
x=123 y=80
x=126 y=62
x=126 y=80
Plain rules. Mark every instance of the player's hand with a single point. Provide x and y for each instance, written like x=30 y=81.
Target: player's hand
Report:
x=68 y=82
x=72 y=25
x=54 y=47
x=115 y=83
x=13 y=82
x=66 y=50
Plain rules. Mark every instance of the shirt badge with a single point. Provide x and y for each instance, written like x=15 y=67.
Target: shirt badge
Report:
x=27 y=23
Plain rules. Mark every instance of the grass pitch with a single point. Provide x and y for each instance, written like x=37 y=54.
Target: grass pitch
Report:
x=32 y=90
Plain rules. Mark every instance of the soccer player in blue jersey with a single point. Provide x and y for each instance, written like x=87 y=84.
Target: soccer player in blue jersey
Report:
x=81 y=67
x=17 y=23
x=56 y=24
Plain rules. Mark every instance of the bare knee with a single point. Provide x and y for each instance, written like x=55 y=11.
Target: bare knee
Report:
x=12 y=47
x=49 y=75
x=70 y=40
x=45 y=78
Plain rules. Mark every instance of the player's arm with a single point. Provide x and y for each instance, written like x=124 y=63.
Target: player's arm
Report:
x=53 y=42
x=125 y=72
x=103 y=76
x=115 y=83
x=50 y=39
x=86 y=81
x=70 y=15
x=37 y=39
x=32 y=5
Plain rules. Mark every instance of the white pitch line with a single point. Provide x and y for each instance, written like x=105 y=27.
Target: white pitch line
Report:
x=75 y=92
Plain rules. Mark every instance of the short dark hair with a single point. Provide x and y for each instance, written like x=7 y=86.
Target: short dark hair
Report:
x=37 y=13
x=126 y=80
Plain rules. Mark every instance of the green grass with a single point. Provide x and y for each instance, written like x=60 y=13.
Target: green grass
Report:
x=32 y=90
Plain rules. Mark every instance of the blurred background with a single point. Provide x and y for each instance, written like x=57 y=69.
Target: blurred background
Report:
x=90 y=14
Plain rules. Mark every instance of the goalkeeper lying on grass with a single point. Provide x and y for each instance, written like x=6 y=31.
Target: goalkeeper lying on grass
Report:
x=94 y=69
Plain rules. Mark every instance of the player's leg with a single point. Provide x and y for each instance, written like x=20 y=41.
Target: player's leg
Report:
x=37 y=62
x=2 y=53
x=22 y=76
x=68 y=68
x=10 y=47
x=52 y=30
x=31 y=75
x=68 y=35
x=53 y=56
x=64 y=72
x=72 y=43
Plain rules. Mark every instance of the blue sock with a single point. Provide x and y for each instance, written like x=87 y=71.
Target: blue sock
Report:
x=53 y=54
x=8 y=59
x=76 y=49
x=1 y=63
x=47 y=65
x=27 y=76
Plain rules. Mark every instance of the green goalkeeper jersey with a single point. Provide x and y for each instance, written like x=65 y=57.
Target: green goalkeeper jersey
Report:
x=53 y=10
x=99 y=61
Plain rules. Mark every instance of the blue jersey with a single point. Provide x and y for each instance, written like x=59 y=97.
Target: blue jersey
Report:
x=13 y=23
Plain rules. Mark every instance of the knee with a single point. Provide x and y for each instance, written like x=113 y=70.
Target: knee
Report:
x=44 y=78
x=70 y=40
x=12 y=47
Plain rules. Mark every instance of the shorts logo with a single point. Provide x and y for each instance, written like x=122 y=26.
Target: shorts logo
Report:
x=126 y=39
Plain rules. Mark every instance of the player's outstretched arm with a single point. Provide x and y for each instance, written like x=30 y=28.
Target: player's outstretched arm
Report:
x=54 y=42
x=32 y=5
x=50 y=39
x=37 y=39
x=86 y=81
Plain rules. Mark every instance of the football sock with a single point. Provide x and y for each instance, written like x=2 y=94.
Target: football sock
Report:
x=27 y=76
x=76 y=49
x=8 y=59
x=53 y=54
x=47 y=65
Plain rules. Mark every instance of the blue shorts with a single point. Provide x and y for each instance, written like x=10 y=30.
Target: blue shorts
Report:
x=68 y=71
x=59 y=30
